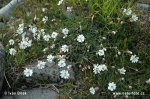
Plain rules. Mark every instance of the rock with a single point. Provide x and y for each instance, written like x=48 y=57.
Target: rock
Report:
x=37 y=93
x=1 y=66
x=51 y=71
x=143 y=5
x=7 y=97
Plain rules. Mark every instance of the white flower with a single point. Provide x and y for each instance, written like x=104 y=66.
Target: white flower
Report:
x=45 y=49
x=98 y=68
x=62 y=63
x=50 y=58
x=45 y=19
x=32 y=29
x=25 y=43
x=134 y=59
x=60 y=2
x=28 y=72
x=42 y=31
x=134 y=18
x=11 y=42
x=46 y=37
x=65 y=31
x=12 y=51
x=44 y=9
x=111 y=86
x=20 y=28
x=69 y=9
x=64 y=74
x=54 y=35
x=41 y=64
x=127 y=11
x=122 y=70
x=103 y=67
x=114 y=32
x=148 y=81
x=101 y=52
x=92 y=90
x=64 y=48
x=80 y=38
x=52 y=46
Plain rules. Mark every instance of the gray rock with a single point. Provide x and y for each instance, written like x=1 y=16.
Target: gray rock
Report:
x=51 y=72
x=143 y=5
x=1 y=65
x=7 y=97
x=38 y=93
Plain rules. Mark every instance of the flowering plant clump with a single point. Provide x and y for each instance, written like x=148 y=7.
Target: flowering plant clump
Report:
x=96 y=39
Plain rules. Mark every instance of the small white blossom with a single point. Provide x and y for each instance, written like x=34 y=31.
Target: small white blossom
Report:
x=45 y=19
x=64 y=74
x=44 y=9
x=101 y=52
x=127 y=11
x=60 y=2
x=12 y=51
x=46 y=37
x=104 y=38
x=122 y=71
x=134 y=18
x=148 y=81
x=134 y=59
x=98 y=68
x=130 y=87
x=28 y=72
x=54 y=35
x=69 y=67
x=50 y=58
x=114 y=32
x=62 y=63
x=42 y=31
x=92 y=90
x=103 y=67
x=80 y=38
x=65 y=31
x=52 y=46
x=41 y=64
x=25 y=43
x=45 y=49
x=69 y=9
x=20 y=28
x=32 y=29
x=119 y=53
x=64 y=48
x=111 y=86
x=11 y=42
